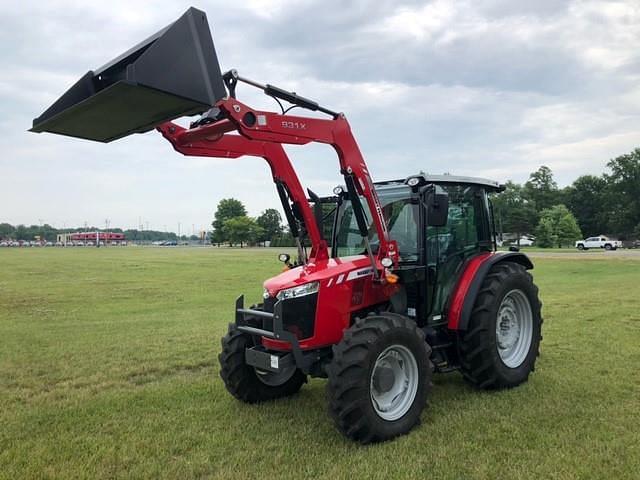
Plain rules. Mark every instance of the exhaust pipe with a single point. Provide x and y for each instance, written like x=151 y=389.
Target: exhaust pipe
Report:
x=173 y=73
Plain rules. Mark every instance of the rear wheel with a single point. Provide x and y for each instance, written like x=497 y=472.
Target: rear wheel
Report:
x=500 y=347
x=379 y=378
x=250 y=384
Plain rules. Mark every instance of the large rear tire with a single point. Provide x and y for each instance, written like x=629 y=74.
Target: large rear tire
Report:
x=500 y=347
x=247 y=383
x=379 y=378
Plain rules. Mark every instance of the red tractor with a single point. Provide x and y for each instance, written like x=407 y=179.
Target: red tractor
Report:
x=393 y=280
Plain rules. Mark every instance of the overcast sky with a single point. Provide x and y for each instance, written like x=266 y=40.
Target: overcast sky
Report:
x=490 y=88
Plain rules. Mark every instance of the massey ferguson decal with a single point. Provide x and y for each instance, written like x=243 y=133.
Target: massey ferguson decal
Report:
x=353 y=275
x=360 y=273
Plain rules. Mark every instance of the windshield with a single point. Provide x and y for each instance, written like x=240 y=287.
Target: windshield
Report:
x=402 y=221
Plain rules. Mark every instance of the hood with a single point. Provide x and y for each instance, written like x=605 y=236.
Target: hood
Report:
x=321 y=271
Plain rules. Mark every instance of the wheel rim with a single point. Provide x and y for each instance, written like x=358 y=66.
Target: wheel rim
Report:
x=394 y=382
x=514 y=328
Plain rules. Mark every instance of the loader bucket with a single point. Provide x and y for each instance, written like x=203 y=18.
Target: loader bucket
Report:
x=170 y=74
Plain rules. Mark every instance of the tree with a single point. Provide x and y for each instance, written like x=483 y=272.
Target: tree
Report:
x=623 y=185
x=515 y=213
x=587 y=200
x=242 y=229
x=227 y=208
x=22 y=233
x=557 y=224
x=545 y=237
x=541 y=189
x=568 y=230
x=271 y=223
x=6 y=230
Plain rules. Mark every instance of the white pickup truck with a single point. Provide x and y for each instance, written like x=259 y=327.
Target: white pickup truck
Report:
x=598 y=242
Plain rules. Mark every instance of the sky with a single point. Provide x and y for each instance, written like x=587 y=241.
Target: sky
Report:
x=489 y=88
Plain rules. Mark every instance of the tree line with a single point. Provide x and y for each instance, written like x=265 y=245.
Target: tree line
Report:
x=591 y=205
x=48 y=233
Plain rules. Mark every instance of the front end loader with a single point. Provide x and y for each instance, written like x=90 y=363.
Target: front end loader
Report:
x=407 y=283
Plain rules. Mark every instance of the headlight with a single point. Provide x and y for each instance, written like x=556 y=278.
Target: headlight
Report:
x=299 y=291
x=265 y=293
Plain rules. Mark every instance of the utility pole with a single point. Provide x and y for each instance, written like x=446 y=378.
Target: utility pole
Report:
x=178 y=232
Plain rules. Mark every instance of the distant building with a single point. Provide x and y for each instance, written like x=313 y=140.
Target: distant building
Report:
x=63 y=238
x=105 y=237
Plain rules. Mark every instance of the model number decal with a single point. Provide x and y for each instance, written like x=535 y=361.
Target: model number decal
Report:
x=360 y=273
x=294 y=125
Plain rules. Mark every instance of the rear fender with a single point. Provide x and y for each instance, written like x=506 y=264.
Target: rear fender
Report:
x=466 y=291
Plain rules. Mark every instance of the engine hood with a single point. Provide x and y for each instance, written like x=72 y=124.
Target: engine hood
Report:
x=322 y=271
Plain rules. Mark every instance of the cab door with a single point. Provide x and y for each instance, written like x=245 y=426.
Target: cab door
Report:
x=466 y=234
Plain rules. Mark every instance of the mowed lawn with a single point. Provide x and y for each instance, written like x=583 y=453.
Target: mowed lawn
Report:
x=108 y=369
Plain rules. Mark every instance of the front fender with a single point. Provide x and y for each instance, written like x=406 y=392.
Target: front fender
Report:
x=466 y=290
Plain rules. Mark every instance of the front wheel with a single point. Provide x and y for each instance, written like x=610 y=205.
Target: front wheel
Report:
x=247 y=383
x=608 y=246
x=581 y=246
x=500 y=348
x=379 y=378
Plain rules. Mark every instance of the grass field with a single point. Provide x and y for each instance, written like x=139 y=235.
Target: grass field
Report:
x=107 y=369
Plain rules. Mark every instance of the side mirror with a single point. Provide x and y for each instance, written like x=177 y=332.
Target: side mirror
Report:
x=437 y=210
x=514 y=248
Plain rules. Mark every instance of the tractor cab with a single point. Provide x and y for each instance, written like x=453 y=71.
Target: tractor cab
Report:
x=439 y=222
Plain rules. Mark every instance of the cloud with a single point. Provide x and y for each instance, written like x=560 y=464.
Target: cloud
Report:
x=491 y=88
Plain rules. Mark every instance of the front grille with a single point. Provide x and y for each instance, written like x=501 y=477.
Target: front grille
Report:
x=269 y=303
x=298 y=315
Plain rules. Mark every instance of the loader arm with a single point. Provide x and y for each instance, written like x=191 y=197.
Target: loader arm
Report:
x=262 y=134
x=198 y=142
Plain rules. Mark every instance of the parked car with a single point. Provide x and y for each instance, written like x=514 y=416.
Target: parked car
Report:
x=524 y=242
x=598 y=242
x=4 y=244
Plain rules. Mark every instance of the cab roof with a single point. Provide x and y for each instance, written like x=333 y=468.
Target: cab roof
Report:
x=440 y=179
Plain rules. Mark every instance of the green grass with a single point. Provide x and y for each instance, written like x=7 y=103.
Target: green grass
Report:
x=107 y=369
